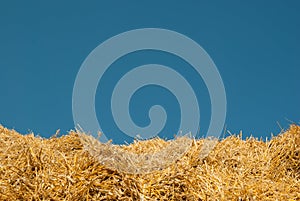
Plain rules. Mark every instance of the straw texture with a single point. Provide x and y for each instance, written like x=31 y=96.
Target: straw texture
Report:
x=32 y=168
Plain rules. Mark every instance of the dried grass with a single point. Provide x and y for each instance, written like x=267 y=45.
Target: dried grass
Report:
x=33 y=168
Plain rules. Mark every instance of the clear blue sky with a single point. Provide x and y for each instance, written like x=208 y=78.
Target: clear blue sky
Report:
x=254 y=44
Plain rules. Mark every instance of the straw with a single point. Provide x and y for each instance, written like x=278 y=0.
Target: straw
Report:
x=66 y=168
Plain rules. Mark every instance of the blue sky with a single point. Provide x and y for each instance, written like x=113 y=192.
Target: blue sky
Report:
x=255 y=45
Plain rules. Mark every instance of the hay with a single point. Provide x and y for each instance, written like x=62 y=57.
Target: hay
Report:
x=146 y=157
x=32 y=168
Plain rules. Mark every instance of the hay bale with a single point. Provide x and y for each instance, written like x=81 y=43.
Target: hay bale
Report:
x=33 y=168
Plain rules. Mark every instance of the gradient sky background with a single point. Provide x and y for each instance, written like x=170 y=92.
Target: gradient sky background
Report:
x=255 y=45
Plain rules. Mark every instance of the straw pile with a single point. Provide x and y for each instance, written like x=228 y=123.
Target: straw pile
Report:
x=32 y=168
